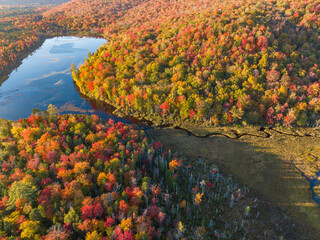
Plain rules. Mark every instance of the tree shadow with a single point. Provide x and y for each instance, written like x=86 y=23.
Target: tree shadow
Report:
x=266 y=166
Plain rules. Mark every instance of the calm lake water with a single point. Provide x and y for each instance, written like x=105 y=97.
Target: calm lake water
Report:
x=44 y=78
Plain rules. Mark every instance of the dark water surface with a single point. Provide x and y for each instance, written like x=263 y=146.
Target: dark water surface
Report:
x=44 y=78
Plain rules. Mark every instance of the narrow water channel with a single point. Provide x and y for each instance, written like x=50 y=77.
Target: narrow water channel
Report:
x=314 y=182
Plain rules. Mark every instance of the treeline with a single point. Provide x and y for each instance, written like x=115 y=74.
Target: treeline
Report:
x=89 y=16
x=17 y=33
x=31 y=2
x=210 y=62
x=22 y=29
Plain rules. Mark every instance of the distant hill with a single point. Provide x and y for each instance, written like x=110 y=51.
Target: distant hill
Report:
x=32 y=2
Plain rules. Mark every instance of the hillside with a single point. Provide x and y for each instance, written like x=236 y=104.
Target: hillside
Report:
x=23 y=29
x=210 y=62
x=233 y=85
x=32 y=2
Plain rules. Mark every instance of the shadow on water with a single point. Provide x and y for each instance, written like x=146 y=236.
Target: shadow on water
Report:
x=103 y=107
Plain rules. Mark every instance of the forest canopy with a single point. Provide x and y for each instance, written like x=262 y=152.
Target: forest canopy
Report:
x=216 y=63
x=210 y=62
x=31 y=2
x=77 y=177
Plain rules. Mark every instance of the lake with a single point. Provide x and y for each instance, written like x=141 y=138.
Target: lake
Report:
x=44 y=78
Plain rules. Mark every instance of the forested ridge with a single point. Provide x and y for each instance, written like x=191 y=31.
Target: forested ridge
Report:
x=22 y=29
x=211 y=62
x=250 y=62
x=31 y=2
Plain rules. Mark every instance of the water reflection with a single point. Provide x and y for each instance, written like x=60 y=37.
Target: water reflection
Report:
x=66 y=48
x=44 y=78
x=104 y=110
x=66 y=72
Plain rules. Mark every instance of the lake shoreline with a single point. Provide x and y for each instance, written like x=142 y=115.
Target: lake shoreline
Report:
x=44 y=78
x=4 y=75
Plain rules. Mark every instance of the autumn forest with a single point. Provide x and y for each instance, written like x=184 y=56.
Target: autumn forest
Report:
x=191 y=65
